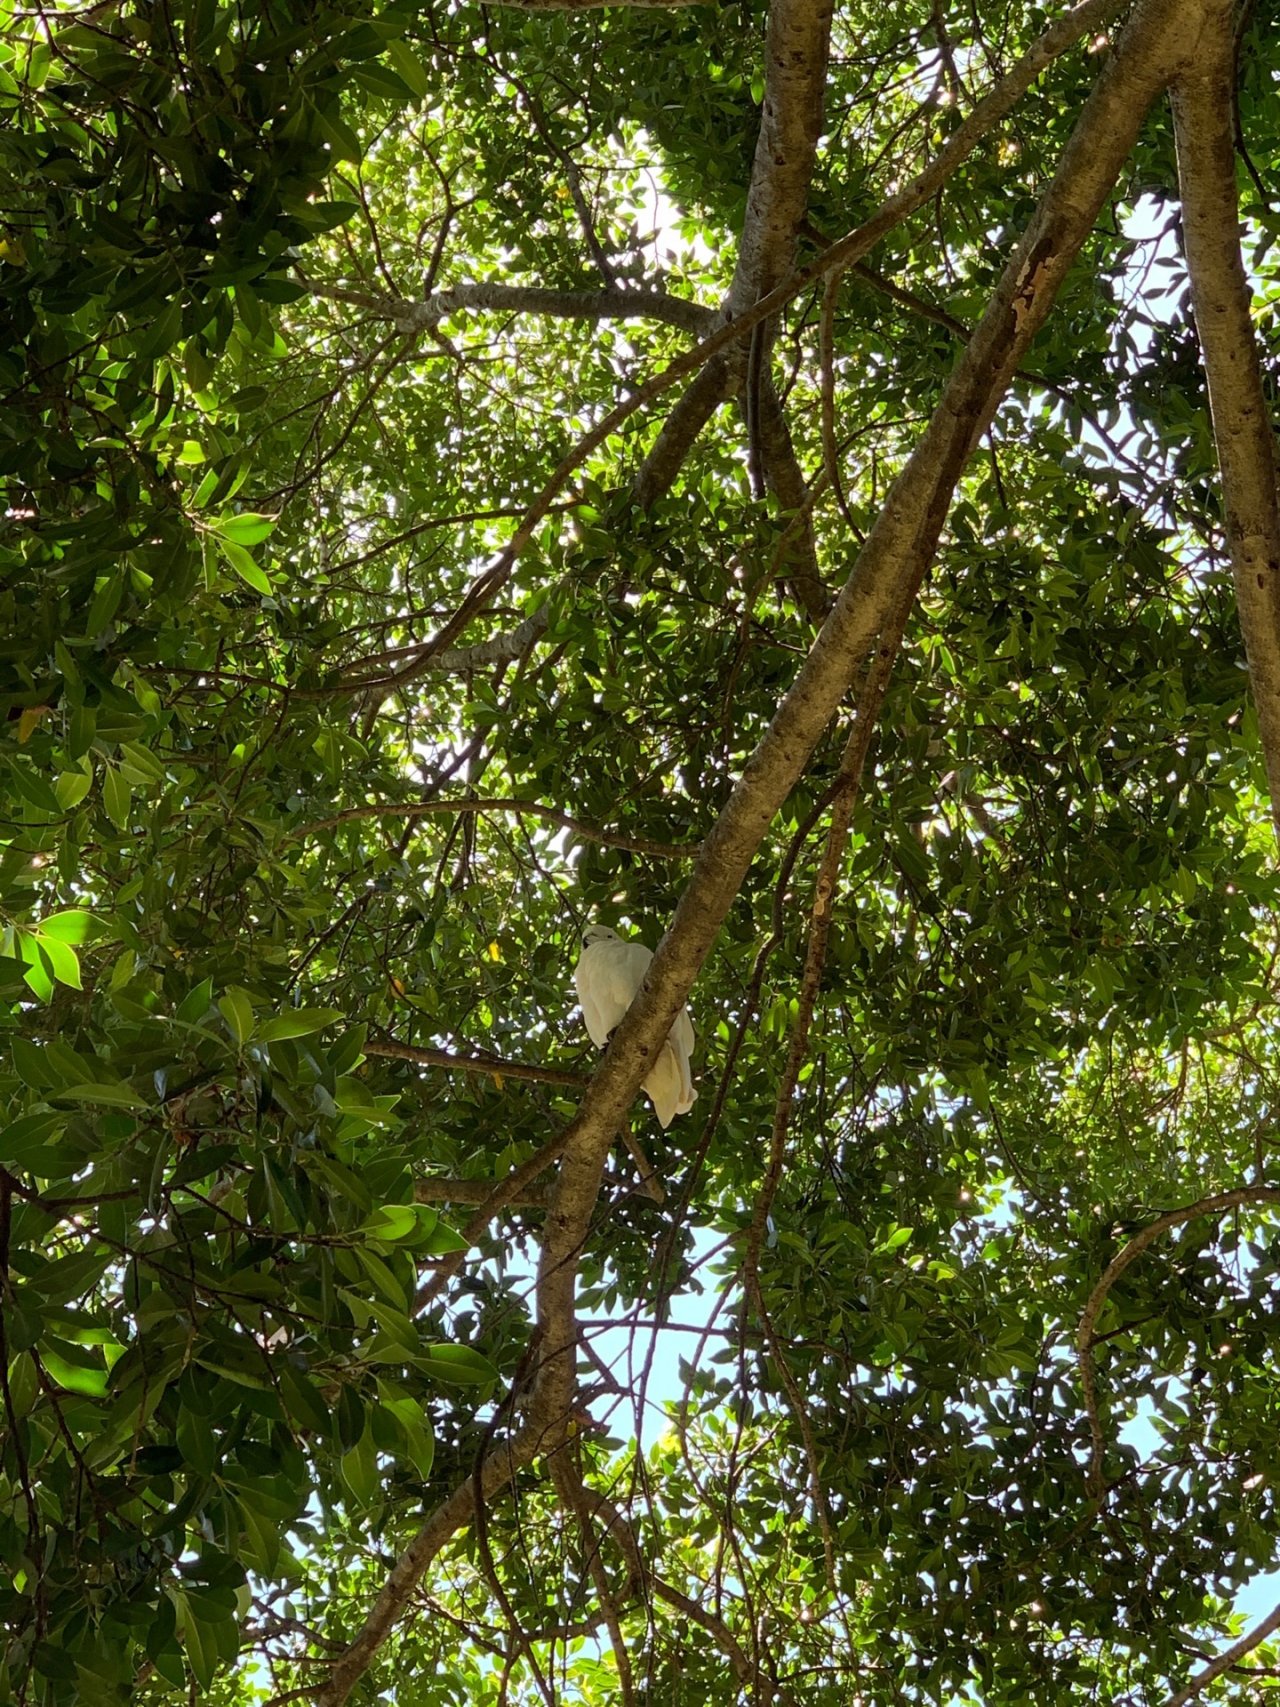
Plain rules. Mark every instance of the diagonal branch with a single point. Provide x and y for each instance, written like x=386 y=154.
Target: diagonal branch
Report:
x=716 y=384
x=1226 y=1659
x=433 y=1189
x=1203 y=108
x=498 y=1469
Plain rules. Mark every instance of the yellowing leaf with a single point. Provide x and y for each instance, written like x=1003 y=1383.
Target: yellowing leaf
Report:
x=29 y=721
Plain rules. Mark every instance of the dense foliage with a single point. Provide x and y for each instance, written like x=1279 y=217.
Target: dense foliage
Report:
x=301 y=817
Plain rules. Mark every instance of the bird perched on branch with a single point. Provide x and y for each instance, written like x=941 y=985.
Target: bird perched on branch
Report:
x=609 y=972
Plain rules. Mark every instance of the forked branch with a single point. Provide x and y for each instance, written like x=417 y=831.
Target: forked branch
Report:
x=885 y=578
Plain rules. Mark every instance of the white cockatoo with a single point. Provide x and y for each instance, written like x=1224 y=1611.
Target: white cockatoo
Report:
x=608 y=974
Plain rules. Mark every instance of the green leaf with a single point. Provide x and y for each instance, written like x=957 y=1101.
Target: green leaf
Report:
x=410 y=67
x=71 y=788
x=23 y=1141
x=360 y=1469
x=112 y=1096
x=248 y=571
x=141 y=766
x=236 y=1008
x=199 y=1639
x=391 y=1222
x=304 y=1401
x=245 y=528
x=457 y=1365
x=76 y=1378
x=116 y=795
x=299 y=1022
x=76 y=925
x=63 y=961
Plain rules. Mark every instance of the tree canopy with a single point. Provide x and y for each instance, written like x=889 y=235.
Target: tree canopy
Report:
x=795 y=484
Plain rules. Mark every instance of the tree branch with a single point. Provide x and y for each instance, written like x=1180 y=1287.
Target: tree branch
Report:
x=392 y=1049
x=526 y=808
x=1203 y=108
x=1061 y=34
x=498 y=1469
x=608 y=303
x=716 y=384
x=885 y=577
x=1226 y=1659
x=786 y=145
x=799 y=565
x=431 y=1189
x=1085 y=1336
x=591 y=5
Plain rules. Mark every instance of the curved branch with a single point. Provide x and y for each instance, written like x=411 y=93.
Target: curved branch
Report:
x=716 y=384
x=785 y=477
x=526 y=808
x=1085 y=1337
x=795 y=80
x=795 y=76
x=1061 y=34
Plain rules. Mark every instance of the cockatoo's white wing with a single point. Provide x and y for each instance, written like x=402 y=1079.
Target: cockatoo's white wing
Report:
x=682 y=1032
x=681 y=1040
x=607 y=976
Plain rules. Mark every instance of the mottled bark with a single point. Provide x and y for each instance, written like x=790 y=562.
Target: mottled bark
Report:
x=782 y=470
x=777 y=197
x=1203 y=105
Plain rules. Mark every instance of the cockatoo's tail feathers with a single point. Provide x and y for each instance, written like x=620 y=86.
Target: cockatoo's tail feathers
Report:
x=662 y=1085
